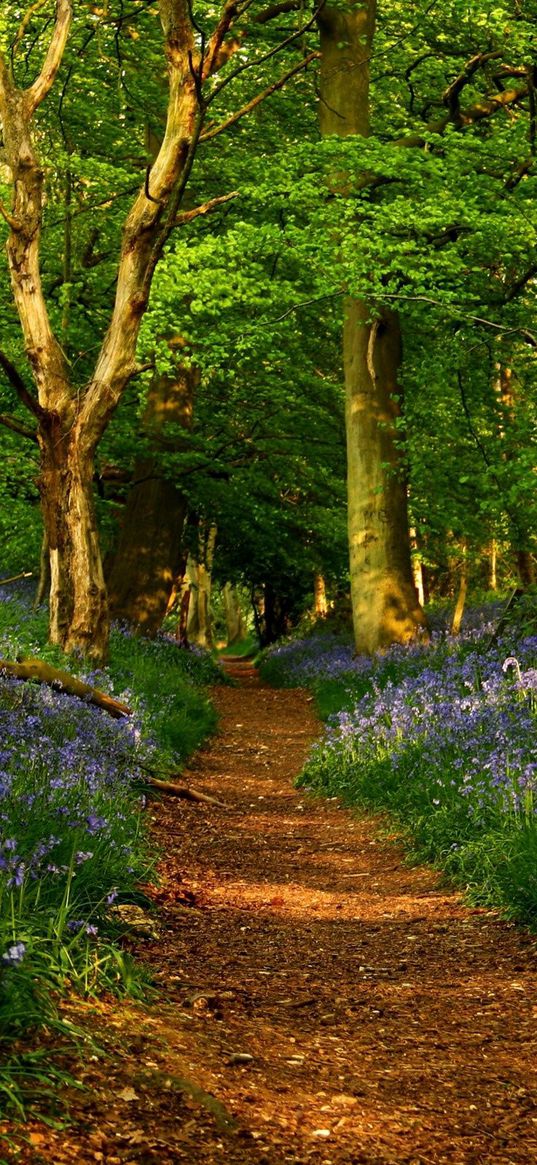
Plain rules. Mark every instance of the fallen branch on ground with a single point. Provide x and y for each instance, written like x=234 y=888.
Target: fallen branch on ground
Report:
x=44 y=673
x=16 y=577
x=184 y=791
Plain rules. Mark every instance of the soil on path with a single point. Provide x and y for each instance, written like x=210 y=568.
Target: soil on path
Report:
x=319 y=1002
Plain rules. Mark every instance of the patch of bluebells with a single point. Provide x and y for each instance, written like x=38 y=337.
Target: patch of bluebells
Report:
x=463 y=737
x=70 y=806
x=323 y=656
x=69 y=812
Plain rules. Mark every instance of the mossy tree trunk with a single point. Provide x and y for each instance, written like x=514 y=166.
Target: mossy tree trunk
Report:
x=384 y=601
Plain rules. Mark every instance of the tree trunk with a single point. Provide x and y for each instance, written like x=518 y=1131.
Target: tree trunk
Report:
x=463 y=588
x=493 y=565
x=71 y=421
x=78 y=603
x=148 y=556
x=524 y=562
x=320 y=605
x=521 y=536
x=236 y=630
x=200 y=628
x=417 y=567
x=384 y=599
x=276 y=613
x=147 y=561
x=43 y=586
x=385 y=605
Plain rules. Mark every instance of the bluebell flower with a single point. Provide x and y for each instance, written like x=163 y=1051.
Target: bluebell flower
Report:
x=14 y=955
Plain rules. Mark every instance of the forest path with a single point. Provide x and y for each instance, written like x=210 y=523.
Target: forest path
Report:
x=321 y=1003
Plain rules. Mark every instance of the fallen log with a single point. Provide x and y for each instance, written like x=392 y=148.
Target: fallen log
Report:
x=44 y=673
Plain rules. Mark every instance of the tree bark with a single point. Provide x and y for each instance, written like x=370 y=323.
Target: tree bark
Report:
x=78 y=608
x=43 y=586
x=463 y=589
x=521 y=537
x=493 y=565
x=235 y=627
x=199 y=629
x=417 y=567
x=147 y=561
x=44 y=673
x=384 y=601
x=320 y=604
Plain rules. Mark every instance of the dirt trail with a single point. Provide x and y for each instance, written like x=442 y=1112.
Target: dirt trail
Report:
x=321 y=1003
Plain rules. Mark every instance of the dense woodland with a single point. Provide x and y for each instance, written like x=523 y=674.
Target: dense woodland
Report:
x=232 y=236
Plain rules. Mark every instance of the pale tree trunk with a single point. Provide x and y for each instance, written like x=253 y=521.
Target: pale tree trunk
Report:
x=235 y=626
x=199 y=570
x=384 y=601
x=78 y=603
x=147 y=562
x=493 y=565
x=463 y=589
x=320 y=605
x=417 y=567
x=73 y=419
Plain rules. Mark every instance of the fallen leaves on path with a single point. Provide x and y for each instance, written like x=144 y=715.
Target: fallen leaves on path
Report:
x=319 y=1002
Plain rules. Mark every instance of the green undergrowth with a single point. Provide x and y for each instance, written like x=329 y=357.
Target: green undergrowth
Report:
x=74 y=849
x=246 y=649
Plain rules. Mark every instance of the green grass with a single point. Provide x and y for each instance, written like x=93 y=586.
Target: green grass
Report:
x=246 y=649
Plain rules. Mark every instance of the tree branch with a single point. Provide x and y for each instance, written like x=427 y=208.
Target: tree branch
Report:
x=524 y=333
x=16 y=381
x=232 y=9
x=476 y=112
x=16 y=577
x=520 y=283
x=13 y=223
x=205 y=208
x=218 y=129
x=451 y=95
x=18 y=427
x=26 y=20
x=294 y=36
x=44 y=82
x=277 y=9
x=491 y=105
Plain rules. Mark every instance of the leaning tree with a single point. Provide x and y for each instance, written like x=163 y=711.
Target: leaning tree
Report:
x=72 y=416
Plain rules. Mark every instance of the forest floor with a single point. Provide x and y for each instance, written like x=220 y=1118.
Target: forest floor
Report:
x=319 y=1001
